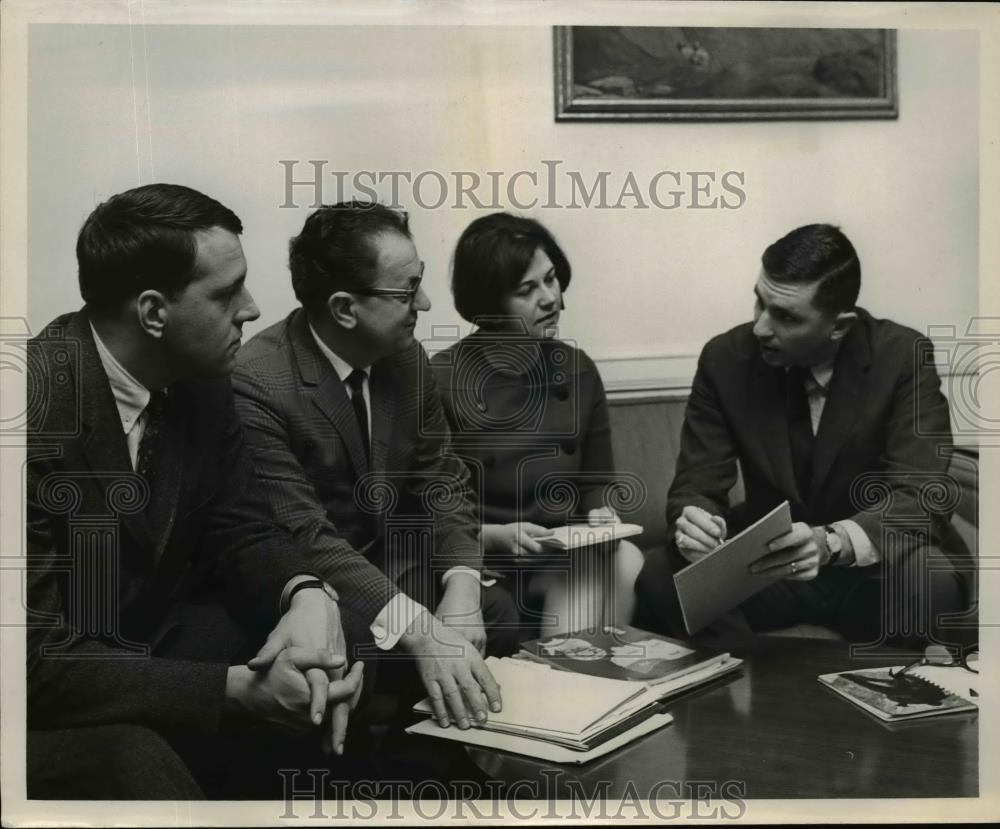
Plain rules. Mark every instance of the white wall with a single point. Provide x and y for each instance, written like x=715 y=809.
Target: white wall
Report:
x=216 y=107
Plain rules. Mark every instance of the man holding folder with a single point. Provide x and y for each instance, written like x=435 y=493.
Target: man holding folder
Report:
x=819 y=403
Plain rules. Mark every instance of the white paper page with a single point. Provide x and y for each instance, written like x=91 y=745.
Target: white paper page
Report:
x=536 y=696
x=572 y=536
x=537 y=748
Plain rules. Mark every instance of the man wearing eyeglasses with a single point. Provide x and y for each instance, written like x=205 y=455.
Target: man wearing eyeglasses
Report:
x=346 y=423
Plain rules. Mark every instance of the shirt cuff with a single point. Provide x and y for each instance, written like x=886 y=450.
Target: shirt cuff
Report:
x=392 y=621
x=865 y=553
x=485 y=582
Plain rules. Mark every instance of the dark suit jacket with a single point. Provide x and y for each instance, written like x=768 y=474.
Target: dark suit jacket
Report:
x=311 y=459
x=880 y=449
x=532 y=436
x=106 y=573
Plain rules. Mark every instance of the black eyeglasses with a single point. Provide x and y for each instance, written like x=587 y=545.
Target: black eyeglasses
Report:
x=404 y=295
x=940 y=657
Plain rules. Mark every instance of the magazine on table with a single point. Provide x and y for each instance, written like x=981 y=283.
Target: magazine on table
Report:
x=627 y=653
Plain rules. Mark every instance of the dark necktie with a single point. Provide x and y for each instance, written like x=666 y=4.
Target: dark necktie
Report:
x=800 y=433
x=145 y=461
x=356 y=380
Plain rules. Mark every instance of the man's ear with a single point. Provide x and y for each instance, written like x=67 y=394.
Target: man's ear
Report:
x=151 y=308
x=842 y=324
x=341 y=308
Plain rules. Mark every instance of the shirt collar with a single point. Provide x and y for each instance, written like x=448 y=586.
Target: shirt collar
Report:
x=131 y=396
x=340 y=365
x=822 y=374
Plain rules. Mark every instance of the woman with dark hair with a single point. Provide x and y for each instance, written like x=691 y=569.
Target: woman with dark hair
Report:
x=529 y=415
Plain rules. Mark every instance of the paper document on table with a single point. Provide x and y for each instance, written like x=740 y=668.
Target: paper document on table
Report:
x=538 y=748
x=537 y=696
x=722 y=579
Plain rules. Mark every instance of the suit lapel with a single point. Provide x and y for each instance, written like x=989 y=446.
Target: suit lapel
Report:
x=171 y=461
x=769 y=412
x=848 y=388
x=104 y=446
x=329 y=396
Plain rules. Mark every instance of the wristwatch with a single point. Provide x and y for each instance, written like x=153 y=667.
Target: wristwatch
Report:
x=312 y=583
x=833 y=544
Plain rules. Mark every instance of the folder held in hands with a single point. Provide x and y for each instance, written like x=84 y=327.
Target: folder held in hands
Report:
x=722 y=579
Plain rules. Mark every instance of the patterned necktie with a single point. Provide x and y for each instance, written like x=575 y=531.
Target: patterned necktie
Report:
x=356 y=380
x=800 y=432
x=145 y=462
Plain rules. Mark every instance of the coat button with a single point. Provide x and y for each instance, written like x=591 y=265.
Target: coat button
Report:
x=569 y=447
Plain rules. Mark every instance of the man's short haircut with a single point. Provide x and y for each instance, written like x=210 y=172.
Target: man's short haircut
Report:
x=491 y=257
x=817 y=254
x=334 y=251
x=144 y=239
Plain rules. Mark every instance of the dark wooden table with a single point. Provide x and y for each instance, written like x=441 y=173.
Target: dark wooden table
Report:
x=775 y=731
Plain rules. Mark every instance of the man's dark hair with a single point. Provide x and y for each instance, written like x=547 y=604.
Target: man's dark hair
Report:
x=491 y=257
x=817 y=254
x=334 y=252
x=144 y=239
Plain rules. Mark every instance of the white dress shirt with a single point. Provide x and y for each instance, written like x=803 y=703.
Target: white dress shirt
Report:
x=131 y=397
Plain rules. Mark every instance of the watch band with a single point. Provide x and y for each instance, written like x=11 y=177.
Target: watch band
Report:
x=309 y=584
x=837 y=548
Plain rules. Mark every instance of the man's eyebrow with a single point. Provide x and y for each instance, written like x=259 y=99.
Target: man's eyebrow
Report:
x=788 y=312
x=233 y=286
x=775 y=306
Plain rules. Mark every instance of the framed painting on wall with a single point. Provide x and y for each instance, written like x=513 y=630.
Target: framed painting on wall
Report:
x=662 y=73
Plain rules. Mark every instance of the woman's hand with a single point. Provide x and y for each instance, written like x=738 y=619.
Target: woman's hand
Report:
x=517 y=539
x=602 y=515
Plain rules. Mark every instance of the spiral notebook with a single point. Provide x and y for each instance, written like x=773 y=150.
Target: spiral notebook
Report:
x=924 y=691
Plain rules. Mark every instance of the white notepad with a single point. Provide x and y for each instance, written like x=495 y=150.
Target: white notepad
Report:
x=572 y=536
